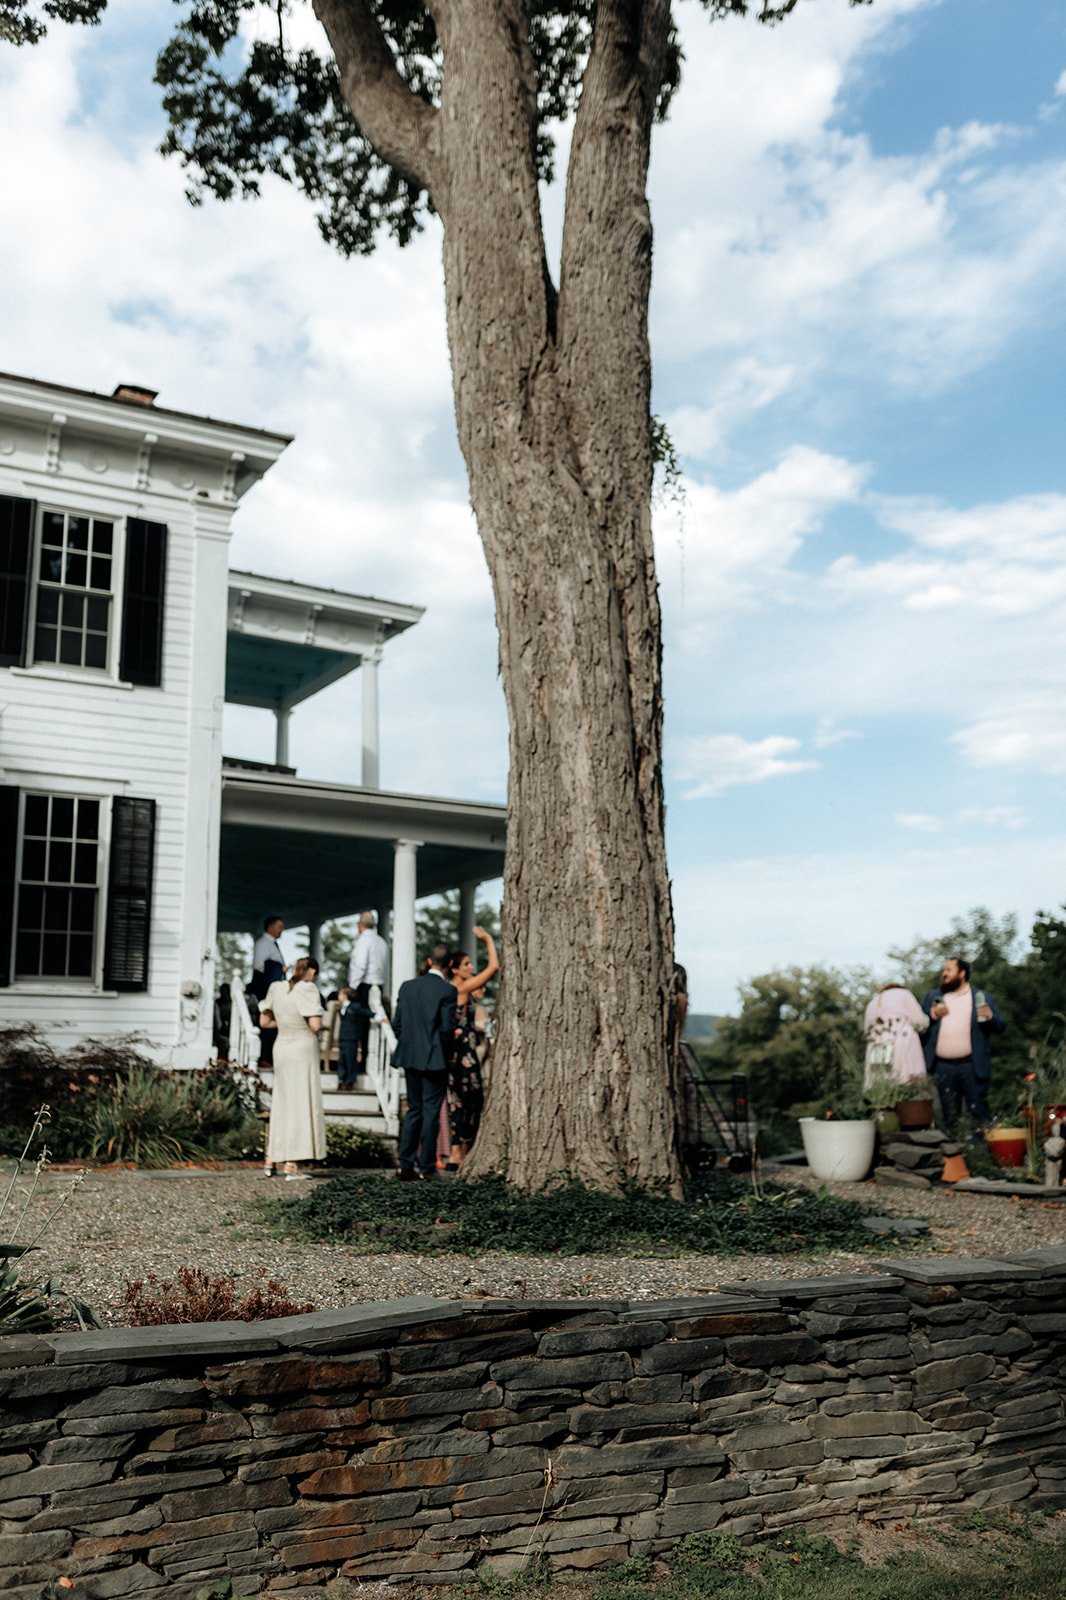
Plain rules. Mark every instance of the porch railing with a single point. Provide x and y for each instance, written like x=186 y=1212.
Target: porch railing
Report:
x=386 y=1080
x=243 y=1034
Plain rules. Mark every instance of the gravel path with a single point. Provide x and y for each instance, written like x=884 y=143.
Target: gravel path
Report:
x=123 y=1225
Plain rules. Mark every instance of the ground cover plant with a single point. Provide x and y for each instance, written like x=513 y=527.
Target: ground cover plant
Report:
x=1011 y=1558
x=721 y=1214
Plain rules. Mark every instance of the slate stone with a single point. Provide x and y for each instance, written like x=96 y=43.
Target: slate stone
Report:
x=20 y=1549
x=585 y=1461
x=567 y=1372
x=937 y=1377
x=191 y=1339
x=897 y=1178
x=25 y=1350
x=353 y=1325
x=772 y=1350
x=682 y=1355
x=450 y=1353
x=815 y=1288
x=961 y=1270
x=122 y=1581
x=586 y=1341
x=731 y=1299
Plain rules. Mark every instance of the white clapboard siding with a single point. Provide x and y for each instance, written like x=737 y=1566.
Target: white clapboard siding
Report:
x=65 y=732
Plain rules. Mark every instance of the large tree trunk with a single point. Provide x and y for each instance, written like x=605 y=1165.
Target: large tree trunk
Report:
x=552 y=404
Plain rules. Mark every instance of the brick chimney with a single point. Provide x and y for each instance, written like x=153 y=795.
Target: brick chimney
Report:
x=132 y=394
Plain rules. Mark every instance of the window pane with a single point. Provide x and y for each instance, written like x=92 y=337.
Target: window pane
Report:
x=78 y=533
x=36 y=815
x=33 y=853
x=54 y=955
x=51 y=566
x=46 y=645
x=103 y=534
x=82 y=910
x=96 y=650
x=48 y=605
x=88 y=819
x=96 y=611
x=56 y=910
x=62 y=817
x=81 y=955
x=73 y=609
x=77 y=570
x=52 y=527
x=84 y=864
x=31 y=908
x=101 y=572
x=70 y=648
x=60 y=861
x=27 y=955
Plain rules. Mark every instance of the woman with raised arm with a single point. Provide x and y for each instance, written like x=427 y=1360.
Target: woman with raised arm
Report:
x=297 y=1122
x=466 y=1092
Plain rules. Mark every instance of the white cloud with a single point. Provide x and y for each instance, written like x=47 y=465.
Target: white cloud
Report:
x=713 y=763
x=1010 y=817
x=828 y=734
x=1029 y=735
x=1060 y=84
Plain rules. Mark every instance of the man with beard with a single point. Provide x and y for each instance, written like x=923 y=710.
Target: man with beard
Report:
x=958 y=1052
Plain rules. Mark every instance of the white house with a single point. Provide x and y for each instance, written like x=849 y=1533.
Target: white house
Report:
x=125 y=840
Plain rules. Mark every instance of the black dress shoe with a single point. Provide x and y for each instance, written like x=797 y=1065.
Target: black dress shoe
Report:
x=428 y=1177
x=406 y=1174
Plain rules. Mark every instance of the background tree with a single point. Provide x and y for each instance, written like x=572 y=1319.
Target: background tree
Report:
x=447 y=106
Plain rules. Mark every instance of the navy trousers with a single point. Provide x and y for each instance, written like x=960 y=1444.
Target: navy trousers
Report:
x=418 y=1136
x=958 y=1086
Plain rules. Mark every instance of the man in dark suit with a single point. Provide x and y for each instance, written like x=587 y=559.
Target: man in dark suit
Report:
x=424 y=1025
x=958 y=1050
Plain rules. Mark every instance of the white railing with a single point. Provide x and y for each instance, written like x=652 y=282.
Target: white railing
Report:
x=385 y=1079
x=243 y=1034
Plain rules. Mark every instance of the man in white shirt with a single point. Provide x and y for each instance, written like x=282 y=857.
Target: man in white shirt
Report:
x=368 y=968
x=268 y=963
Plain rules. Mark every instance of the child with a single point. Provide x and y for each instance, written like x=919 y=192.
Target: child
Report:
x=268 y=1032
x=347 y=1042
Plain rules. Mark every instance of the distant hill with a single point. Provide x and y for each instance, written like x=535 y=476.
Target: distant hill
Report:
x=700 y=1026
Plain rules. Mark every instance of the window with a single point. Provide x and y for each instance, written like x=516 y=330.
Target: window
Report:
x=58 y=885
x=74 y=590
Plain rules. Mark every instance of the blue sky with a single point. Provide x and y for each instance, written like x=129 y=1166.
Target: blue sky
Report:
x=859 y=332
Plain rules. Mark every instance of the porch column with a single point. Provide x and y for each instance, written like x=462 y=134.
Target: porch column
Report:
x=369 y=671
x=314 y=930
x=467 y=895
x=281 y=736
x=404 y=890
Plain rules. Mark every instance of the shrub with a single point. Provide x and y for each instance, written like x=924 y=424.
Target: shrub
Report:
x=155 y=1118
x=197 y=1298
x=720 y=1215
x=356 y=1147
x=33 y=1305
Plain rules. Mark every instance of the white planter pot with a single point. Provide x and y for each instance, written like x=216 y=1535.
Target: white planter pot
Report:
x=840 y=1151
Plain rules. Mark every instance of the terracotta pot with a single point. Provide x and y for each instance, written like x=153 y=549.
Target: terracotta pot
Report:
x=1007 y=1146
x=915 y=1113
x=838 y=1149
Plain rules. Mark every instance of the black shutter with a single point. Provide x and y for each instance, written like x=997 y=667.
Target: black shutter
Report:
x=16 y=553
x=129 y=893
x=9 y=842
x=141 y=659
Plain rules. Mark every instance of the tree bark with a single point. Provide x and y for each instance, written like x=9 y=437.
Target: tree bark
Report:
x=552 y=404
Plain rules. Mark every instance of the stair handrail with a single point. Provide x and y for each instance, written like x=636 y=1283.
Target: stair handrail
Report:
x=243 y=1033
x=385 y=1079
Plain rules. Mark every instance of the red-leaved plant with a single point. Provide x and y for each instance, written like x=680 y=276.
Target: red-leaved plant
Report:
x=197 y=1298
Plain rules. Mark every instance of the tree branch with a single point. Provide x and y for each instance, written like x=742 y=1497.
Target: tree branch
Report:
x=401 y=127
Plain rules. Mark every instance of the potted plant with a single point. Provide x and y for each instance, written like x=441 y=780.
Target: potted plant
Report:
x=839 y=1147
x=914 y=1102
x=881 y=1093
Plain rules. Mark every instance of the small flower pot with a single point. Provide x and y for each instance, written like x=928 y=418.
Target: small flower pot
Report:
x=915 y=1113
x=886 y=1121
x=838 y=1149
x=1007 y=1146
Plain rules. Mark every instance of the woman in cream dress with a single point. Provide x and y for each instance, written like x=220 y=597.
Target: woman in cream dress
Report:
x=297 y=1122
x=892 y=1023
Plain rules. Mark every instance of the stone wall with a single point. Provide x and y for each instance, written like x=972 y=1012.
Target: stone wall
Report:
x=421 y=1438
